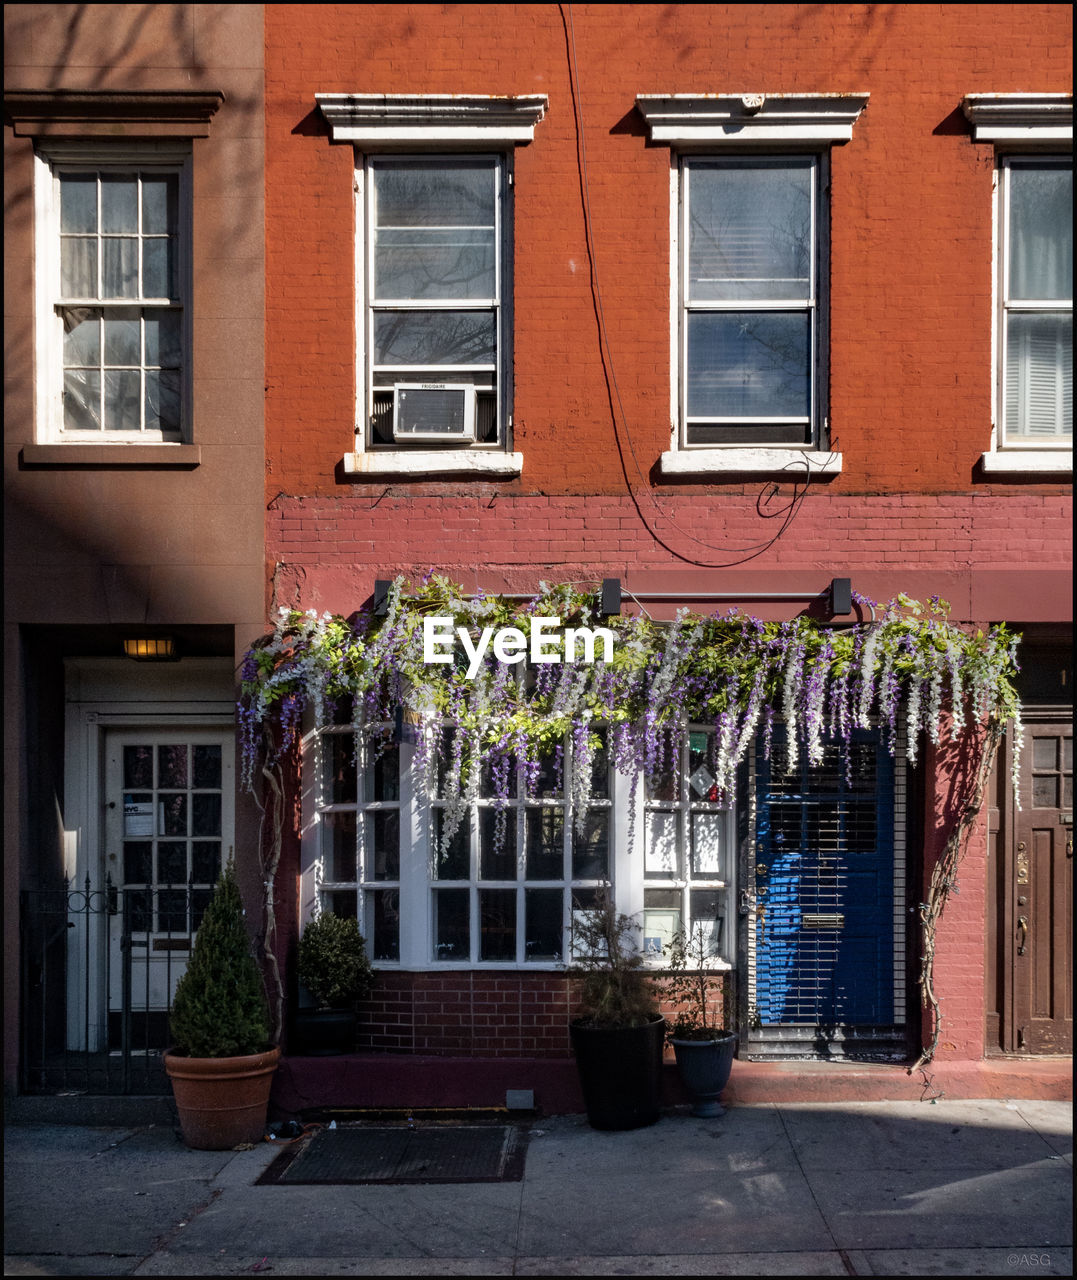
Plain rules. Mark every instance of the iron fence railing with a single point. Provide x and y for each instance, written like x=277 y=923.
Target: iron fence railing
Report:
x=99 y=966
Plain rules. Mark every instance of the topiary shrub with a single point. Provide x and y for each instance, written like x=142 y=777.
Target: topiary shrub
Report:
x=332 y=961
x=220 y=1009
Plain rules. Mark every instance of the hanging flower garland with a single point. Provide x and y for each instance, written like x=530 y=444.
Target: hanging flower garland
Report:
x=910 y=668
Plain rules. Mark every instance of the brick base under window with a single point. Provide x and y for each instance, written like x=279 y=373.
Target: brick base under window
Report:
x=452 y=1040
x=472 y=1014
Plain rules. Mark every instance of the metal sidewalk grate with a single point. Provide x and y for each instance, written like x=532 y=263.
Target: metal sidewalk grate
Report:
x=392 y=1154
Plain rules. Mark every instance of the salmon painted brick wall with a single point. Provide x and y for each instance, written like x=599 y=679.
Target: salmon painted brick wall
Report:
x=911 y=217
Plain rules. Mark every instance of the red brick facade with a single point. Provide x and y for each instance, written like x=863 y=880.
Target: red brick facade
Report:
x=910 y=397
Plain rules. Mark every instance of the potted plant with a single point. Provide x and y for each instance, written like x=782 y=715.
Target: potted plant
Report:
x=619 y=1034
x=334 y=969
x=222 y=1062
x=701 y=1043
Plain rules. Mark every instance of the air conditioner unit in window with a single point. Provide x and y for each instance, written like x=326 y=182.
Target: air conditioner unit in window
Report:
x=433 y=411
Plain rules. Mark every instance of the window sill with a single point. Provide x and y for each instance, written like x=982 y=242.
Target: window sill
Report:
x=1028 y=462
x=434 y=462
x=180 y=456
x=749 y=461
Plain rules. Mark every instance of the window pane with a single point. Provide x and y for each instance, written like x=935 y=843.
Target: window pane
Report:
x=123 y=338
x=381 y=927
x=708 y=910
x=82 y=400
x=452 y=932
x=82 y=338
x=384 y=855
x=338 y=755
x=162 y=400
x=1039 y=375
x=172 y=815
x=437 y=262
x=708 y=830
x=138 y=766
x=159 y=268
x=78 y=202
x=137 y=861
x=205 y=861
x=750 y=230
x=163 y=338
x=748 y=365
x=409 y=195
x=172 y=910
x=119 y=202
x=207 y=766
x=542 y=936
x=591 y=848
x=497 y=844
x=339 y=846
x=434 y=337
x=661 y=858
x=172 y=862
x=160 y=203
x=1041 y=232
x=206 y=814
x=497 y=924
x=383 y=772
x=545 y=844
x=454 y=862
x=119 y=268
x=122 y=391
x=343 y=903
x=78 y=267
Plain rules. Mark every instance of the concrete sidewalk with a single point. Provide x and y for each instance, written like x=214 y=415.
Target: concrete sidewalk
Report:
x=857 y=1188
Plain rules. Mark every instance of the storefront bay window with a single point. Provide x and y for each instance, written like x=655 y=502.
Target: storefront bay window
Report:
x=499 y=887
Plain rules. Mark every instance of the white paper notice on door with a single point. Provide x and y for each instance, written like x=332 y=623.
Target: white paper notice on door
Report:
x=137 y=816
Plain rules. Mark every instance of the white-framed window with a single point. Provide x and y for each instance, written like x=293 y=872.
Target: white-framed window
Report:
x=113 y=285
x=502 y=890
x=1032 y=133
x=437 y=339
x=1036 y=302
x=749 y=269
x=689 y=857
x=751 y=328
x=433 y=176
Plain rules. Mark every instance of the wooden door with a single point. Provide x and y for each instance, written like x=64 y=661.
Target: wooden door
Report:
x=1033 y=878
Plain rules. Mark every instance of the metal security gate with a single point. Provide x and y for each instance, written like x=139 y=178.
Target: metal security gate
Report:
x=94 y=1017
x=823 y=937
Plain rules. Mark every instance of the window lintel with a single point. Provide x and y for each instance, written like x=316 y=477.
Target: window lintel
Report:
x=379 y=119
x=748 y=119
x=1019 y=117
x=111 y=114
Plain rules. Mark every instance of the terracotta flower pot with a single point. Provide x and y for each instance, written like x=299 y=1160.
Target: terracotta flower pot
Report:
x=222 y=1102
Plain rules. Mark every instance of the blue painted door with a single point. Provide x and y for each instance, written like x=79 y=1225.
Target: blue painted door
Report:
x=824 y=885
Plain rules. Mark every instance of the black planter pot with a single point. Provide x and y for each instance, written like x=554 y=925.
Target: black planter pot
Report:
x=704 y=1067
x=321 y=1032
x=621 y=1073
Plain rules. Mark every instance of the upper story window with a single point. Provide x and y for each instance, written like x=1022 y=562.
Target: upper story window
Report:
x=117 y=269
x=749 y=273
x=750 y=323
x=436 y=335
x=1037 y=303
x=435 y=285
x=1033 y=418
x=113 y=270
